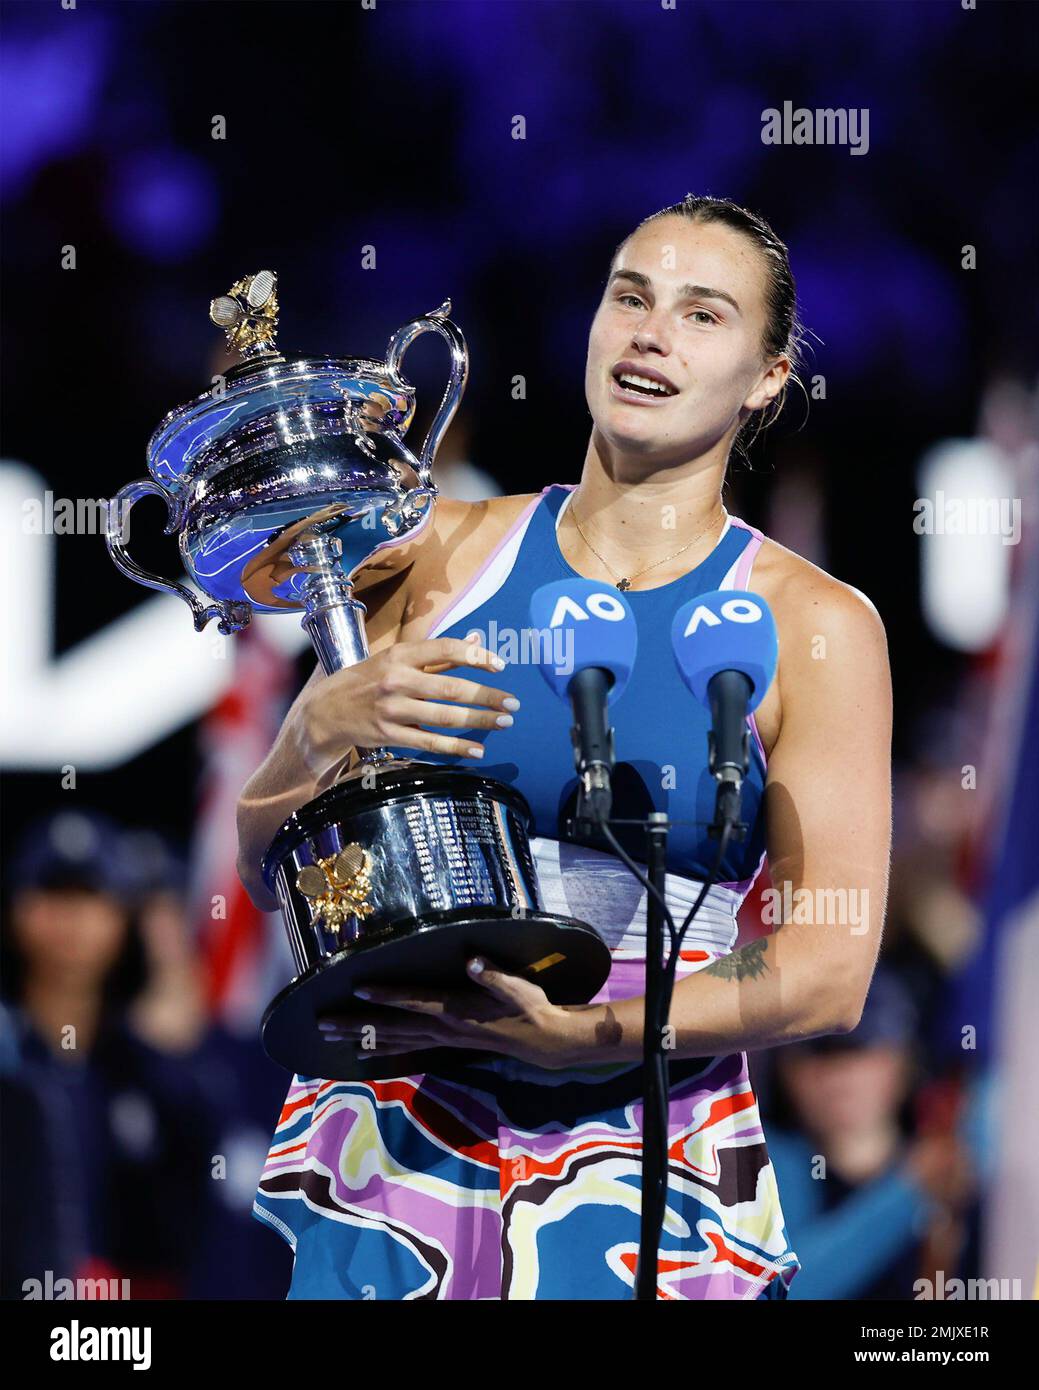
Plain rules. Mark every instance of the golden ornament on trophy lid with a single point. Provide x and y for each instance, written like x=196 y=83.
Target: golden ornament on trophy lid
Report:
x=248 y=313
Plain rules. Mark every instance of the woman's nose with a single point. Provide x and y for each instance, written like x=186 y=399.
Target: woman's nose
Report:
x=649 y=336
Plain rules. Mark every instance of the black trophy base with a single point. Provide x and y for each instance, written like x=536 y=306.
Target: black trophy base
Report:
x=567 y=958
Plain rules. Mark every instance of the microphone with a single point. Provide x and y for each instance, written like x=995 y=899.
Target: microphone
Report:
x=726 y=649
x=586 y=654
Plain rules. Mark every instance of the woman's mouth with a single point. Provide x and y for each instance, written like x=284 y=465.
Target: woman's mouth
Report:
x=633 y=389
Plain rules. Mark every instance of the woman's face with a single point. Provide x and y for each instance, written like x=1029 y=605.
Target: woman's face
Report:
x=846 y=1092
x=685 y=301
x=73 y=934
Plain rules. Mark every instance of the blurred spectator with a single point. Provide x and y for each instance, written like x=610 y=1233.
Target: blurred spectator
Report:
x=932 y=926
x=874 y=1200
x=118 y=1104
x=237 y=1091
x=102 y=1121
x=169 y=1011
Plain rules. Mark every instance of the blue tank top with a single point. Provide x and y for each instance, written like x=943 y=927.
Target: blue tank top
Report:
x=660 y=736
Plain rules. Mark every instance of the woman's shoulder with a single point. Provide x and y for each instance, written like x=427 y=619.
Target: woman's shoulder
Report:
x=450 y=516
x=802 y=595
x=463 y=534
x=421 y=576
x=454 y=531
x=831 y=637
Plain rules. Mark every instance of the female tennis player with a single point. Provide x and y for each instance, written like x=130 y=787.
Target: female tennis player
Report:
x=519 y=1178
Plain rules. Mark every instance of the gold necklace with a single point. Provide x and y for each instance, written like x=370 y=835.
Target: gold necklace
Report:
x=624 y=581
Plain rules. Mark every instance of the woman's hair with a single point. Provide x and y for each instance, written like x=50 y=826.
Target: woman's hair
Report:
x=784 y=334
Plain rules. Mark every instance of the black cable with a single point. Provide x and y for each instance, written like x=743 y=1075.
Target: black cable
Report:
x=672 y=964
x=634 y=868
x=677 y=935
x=655 y=1060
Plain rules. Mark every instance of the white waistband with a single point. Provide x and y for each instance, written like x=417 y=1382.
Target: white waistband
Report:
x=596 y=887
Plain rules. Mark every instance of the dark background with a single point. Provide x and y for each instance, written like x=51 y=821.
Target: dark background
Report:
x=349 y=127
x=391 y=127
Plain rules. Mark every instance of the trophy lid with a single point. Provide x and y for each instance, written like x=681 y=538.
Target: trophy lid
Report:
x=305 y=394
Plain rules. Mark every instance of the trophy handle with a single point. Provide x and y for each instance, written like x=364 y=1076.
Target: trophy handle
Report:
x=233 y=616
x=436 y=321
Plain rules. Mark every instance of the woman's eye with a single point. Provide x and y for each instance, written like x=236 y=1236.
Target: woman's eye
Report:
x=703 y=316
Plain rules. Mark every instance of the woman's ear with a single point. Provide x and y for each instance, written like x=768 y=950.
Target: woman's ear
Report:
x=769 y=384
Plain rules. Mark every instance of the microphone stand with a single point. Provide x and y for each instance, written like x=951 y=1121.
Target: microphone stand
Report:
x=656 y=1079
x=594 y=803
x=728 y=744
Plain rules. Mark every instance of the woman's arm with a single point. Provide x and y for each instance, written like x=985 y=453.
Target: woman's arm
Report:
x=283 y=782
x=828 y=817
x=280 y=785
x=387 y=699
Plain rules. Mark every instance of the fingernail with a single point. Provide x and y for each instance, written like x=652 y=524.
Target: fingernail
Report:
x=362 y=993
x=476 y=966
x=325 y=1027
x=510 y=702
x=497 y=663
x=476 y=751
x=503 y=721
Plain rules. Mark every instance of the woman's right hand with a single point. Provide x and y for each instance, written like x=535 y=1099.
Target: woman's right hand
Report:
x=383 y=700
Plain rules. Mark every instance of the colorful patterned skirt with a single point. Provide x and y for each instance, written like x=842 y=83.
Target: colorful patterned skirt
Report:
x=509 y=1181
x=512 y=1186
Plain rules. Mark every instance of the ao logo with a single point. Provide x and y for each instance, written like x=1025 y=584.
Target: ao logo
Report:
x=603 y=605
x=733 y=610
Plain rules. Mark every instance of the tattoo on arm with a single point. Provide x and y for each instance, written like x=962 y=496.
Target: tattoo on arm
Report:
x=745 y=964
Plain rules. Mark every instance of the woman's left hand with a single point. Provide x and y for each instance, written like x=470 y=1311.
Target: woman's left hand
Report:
x=502 y=1013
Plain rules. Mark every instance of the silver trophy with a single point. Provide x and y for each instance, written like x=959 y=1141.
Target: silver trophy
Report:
x=280 y=483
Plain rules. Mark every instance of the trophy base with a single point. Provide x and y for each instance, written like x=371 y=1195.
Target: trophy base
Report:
x=567 y=958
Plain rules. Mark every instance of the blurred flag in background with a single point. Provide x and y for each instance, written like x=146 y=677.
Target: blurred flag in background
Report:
x=245 y=956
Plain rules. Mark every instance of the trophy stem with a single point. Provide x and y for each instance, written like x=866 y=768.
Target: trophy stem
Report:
x=334 y=619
